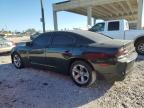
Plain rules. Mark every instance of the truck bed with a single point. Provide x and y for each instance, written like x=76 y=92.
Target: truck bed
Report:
x=133 y=34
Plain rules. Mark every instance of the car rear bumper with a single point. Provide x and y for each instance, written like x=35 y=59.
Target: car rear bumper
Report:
x=118 y=71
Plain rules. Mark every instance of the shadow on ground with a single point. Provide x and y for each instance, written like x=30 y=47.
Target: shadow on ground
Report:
x=140 y=58
x=33 y=88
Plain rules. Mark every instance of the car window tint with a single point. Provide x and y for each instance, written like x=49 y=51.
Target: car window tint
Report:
x=92 y=36
x=113 y=26
x=42 y=41
x=62 y=39
x=85 y=41
x=81 y=40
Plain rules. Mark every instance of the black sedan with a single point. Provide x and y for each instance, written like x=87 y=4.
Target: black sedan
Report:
x=83 y=55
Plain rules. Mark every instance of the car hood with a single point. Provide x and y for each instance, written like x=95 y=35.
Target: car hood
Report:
x=114 y=43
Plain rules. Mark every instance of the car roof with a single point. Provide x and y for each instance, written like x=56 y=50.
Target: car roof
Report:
x=97 y=37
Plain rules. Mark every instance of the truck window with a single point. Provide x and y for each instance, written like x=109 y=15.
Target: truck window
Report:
x=98 y=27
x=113 y=26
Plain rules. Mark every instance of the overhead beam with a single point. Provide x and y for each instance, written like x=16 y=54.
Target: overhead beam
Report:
x=116 y=9
x=99 y=13
x=109 y=10
x=130 y=7
x=82 y=12
x=81 y=3
x=100 y=10
x=124 y=9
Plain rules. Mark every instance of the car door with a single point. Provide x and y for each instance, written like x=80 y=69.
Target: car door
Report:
x=37 y=51
x=60 y=51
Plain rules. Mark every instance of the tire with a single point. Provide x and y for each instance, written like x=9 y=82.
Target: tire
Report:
x=82 y=74
x=17 y=61
x=140 y=47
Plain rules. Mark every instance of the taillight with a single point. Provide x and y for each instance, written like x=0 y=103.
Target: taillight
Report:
x=94 y=56
x=121 y=52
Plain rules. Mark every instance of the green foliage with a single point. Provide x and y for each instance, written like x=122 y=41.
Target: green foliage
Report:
x=30 y=31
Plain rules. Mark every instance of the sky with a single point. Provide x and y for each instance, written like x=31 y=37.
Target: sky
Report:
x=19 y=15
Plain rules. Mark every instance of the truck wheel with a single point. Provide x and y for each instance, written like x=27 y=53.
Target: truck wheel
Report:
x=82 y=74
x=140 y=47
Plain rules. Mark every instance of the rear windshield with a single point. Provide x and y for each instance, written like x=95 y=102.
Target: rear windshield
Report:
x=97 y=37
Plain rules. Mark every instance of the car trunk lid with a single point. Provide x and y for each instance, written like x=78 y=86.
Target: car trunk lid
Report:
x=124 y=47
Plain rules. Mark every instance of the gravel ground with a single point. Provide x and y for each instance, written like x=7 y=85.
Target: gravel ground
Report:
x=33 y=88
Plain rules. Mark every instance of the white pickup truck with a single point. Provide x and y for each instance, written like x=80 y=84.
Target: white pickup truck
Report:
x=119 y=29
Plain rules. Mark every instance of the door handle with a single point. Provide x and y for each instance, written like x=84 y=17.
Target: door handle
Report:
x=67 y=53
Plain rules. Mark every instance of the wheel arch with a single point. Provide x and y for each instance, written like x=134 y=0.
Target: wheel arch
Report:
x=80 y=59
x=99 y=75
x=138 y=39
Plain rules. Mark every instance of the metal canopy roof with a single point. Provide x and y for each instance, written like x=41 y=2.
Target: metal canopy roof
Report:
x=104 y=9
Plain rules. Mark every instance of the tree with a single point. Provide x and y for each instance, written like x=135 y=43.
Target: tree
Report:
x=30 y=31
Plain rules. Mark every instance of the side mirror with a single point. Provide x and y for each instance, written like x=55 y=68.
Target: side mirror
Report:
x=28 y=44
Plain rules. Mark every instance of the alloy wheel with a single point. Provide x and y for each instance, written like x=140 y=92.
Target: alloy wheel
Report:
x=80 y=74
x=141 y=48
x=17 y=61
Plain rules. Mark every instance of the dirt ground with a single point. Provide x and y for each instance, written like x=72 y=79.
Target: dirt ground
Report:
x=34 y=88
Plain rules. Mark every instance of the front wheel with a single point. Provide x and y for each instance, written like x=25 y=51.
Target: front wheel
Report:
x=140 y=47
x=17 y=61
x=82 y=74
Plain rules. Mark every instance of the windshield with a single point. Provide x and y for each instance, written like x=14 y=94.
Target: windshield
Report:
x=98 y=27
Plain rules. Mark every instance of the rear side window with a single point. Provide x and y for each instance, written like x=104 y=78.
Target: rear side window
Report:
x=62 y=39
x=42 y=41
x=84 y=41
x=113 y=26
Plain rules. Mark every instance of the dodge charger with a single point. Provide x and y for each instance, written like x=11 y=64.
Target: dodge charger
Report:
x=83 y=55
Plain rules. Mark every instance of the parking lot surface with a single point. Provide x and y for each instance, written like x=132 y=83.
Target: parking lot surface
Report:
x=35 y=88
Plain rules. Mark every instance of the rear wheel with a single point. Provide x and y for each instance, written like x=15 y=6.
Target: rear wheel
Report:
x=82 y=74
x=140 y=47
x=17 y=61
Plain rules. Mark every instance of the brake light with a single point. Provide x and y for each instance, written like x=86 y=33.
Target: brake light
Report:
x=93 y=56
x=121 y=52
